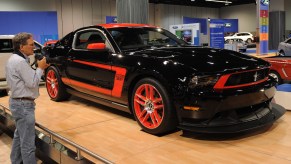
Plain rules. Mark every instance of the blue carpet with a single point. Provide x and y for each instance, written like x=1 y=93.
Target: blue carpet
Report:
x=284 y=87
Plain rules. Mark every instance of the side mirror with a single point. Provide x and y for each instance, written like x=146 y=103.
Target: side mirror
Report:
x=96 y=46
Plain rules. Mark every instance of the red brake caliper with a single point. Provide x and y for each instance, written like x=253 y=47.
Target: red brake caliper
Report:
x=148 y=106
x=52 y=84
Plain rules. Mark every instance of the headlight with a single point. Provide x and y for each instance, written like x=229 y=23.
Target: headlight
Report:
x=203 y=81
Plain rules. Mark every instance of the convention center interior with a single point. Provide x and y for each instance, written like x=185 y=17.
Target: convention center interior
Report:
x=145 y=81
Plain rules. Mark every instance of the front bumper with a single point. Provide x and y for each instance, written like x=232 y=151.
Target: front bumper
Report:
x=212 y=104
x=231 y=123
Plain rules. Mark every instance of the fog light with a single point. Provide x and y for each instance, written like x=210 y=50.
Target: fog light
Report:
x=195 y=108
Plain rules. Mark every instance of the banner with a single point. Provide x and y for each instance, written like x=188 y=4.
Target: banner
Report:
x=188 y=32
x=217 y=34
x=111 y=19
x=264 y=26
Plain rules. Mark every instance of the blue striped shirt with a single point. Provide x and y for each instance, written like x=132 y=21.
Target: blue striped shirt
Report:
x=22 y=80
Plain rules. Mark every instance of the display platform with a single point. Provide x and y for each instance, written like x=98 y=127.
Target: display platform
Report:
x=115 y=136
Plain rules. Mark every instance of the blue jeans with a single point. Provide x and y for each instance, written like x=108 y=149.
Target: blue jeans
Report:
x=23 y=146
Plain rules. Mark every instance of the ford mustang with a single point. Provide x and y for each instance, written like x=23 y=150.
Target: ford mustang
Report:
x=164 y=82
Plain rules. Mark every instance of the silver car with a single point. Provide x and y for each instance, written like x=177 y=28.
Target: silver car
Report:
x=6 y=50
x=284 y=48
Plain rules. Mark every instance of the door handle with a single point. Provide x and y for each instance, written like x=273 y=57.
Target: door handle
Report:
x=70 y=58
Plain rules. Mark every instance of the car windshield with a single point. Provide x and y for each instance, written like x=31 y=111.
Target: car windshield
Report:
x=133 y=38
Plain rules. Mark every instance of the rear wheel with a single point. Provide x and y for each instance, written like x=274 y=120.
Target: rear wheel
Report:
x=276 y=76
x=249 y=40
x=55 y=87
x=152 y=107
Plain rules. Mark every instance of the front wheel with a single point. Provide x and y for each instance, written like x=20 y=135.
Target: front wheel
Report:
x=55 y=87
x=152 y=107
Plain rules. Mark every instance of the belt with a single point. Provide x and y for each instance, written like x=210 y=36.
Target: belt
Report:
x=24 y=98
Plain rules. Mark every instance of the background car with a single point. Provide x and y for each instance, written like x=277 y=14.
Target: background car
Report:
x=162 y=80
x=6 y=50
x=284 y=48
x=245 y=36
x=280 y=68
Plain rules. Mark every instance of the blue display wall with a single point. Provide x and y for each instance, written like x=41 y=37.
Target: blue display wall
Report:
x=43 y=25
x=230 y=25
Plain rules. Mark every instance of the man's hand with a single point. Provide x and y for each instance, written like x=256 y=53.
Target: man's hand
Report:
x=42 y=63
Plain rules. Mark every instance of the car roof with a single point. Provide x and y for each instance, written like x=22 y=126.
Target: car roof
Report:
x=11 y=37
x=6 y=36
x=116 y=25
x=244 y=32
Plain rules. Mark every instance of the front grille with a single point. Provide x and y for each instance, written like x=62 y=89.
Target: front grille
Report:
x=247 y=77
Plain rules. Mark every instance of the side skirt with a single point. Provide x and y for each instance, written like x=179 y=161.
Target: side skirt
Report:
x=100 y=100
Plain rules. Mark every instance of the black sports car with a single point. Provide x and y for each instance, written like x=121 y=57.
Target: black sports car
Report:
x=164 y=82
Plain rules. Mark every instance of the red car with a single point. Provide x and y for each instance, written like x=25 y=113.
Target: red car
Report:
x=280 y=68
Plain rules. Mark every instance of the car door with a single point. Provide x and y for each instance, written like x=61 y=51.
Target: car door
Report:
x=89 y=71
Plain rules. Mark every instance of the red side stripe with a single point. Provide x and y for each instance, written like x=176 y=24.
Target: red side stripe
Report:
x=118 y=79
x=94 y=64
x=88 y=86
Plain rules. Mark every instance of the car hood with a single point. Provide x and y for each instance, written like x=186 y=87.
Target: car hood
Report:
x=206 y=60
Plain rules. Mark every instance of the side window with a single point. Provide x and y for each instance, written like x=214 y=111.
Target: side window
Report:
x=6 y=45
x=126 y=39
x=84 y=38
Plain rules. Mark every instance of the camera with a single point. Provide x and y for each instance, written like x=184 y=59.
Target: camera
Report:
x=48 y=59
x=44 y=53
x=39 y=55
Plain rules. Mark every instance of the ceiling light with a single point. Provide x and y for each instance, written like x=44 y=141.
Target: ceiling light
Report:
x=226 y=2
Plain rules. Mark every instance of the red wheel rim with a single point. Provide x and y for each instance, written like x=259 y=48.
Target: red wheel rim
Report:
x=148 y=106
x=52 y=84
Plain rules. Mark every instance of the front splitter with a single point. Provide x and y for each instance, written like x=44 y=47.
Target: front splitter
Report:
x=259 y=119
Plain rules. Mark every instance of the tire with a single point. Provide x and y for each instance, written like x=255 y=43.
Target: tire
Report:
x=249 y=40
x=281 y=53
x=276 y=76
x=152 y=107
x=56 y=89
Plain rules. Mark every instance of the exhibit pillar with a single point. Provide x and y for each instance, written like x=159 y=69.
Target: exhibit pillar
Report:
x=263 y=26
x=132 y=11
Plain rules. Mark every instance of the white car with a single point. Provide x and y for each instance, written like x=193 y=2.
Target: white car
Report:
x=6 y=50
x=284 y=48
x=245 y=36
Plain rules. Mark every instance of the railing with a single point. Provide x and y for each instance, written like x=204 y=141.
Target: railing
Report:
x=53 y=134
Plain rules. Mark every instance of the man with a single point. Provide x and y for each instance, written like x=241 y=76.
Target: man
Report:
x=23 y=82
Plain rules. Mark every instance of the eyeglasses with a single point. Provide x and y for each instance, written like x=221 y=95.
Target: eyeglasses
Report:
x=32 y=44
